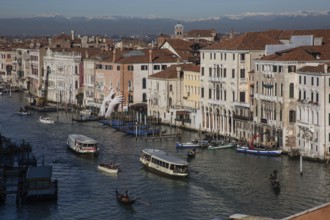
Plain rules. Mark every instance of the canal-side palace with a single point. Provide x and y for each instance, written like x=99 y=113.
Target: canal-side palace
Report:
x=274 y=84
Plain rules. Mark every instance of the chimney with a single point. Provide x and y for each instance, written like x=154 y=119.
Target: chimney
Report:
x=326 y=68
x=150 y=56
x=72 y=34
x=114 y=55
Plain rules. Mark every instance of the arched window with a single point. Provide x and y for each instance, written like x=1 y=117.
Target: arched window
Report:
x=218 y=92
x=292 y=116
x=144 y=97
x=291 y=90
x=76 y=70
x=170 y=102
x=144 y=83
x=171 y=88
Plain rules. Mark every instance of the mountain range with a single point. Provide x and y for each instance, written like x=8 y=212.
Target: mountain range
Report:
x=127 y=26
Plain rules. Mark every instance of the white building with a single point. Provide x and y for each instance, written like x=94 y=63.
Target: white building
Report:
x=279 y=117
x=225 y=84
x=62 y=77
x=313 y=111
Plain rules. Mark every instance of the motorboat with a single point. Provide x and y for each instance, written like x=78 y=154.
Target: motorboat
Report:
x=82 y=144
x=191 y=144
x=221 y=145
x=46 y=120
x=192 y=153
x=109 y=167
x=194 y=143
x=164 y=163
x=258 y=151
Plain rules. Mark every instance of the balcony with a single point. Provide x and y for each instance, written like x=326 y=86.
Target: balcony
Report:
x=268 y=98
x=243 y=118
x=241 y=104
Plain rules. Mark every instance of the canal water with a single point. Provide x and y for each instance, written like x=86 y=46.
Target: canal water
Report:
x=221 y=182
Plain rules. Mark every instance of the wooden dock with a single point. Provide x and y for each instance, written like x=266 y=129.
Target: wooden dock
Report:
x=161 y=137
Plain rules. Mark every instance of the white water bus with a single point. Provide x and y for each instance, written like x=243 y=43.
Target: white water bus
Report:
x=82 y=144
x=164 y=163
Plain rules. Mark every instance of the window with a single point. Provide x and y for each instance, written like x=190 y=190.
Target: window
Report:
x=156 y=67
x=274 y=68
x=144 y=83
x=210 y=93
x=304 y=80
x=233 y=73
x=202 y=92
x=202 y=71
x=76 y=70
x=291 y=92
x=312 y=83
x=118 y=68
x=171 y=88
x=144 y=97
x=210 y=71
x=144 y=67
x=242 y=57
x=242 y=96
x=291 y=69
x=224 y=72
x=130 y=68
x=233 y=56
x=292 y=116
x=242 y=74
x=300 y=80
x=108 y=67
x=164 y=67
x=317 y=81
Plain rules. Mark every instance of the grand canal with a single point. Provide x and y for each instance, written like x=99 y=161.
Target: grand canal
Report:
x=221 y=182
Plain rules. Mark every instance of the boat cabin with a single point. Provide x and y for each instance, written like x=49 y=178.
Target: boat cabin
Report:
x=39 y=183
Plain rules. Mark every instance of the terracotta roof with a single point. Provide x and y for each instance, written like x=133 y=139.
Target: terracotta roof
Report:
x=315 y=69
x=171 y=72
x=179 y=44
x=63 y=37
x=157 y=56
x=201 y=33
x=303 y=53
x=247 y=41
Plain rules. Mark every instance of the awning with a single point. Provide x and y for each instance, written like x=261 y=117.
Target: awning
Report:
x=183 y=112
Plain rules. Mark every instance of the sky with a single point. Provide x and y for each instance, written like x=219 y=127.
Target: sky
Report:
x=175 y=9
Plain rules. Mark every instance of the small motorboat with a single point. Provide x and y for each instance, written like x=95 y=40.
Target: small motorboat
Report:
x=214 y=146
x=46 y=120
x=124 y=198
x=192 y=153
x=109 y=167
x=23 y=112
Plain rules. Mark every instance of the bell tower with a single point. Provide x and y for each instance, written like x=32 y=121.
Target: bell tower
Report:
x=178 y=31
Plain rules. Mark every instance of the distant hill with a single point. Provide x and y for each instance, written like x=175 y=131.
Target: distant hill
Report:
x=52 y=25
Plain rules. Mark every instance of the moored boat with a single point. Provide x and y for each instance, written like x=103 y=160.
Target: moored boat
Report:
x=109 y=167
x=164 y=163
x=82 y=144
x=124 y=198
x=258 y=151
x=215 y=146
x=46 y=120
x=191 y=144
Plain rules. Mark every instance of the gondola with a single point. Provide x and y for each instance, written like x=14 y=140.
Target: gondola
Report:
x=275 y=183
x=124 y=198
